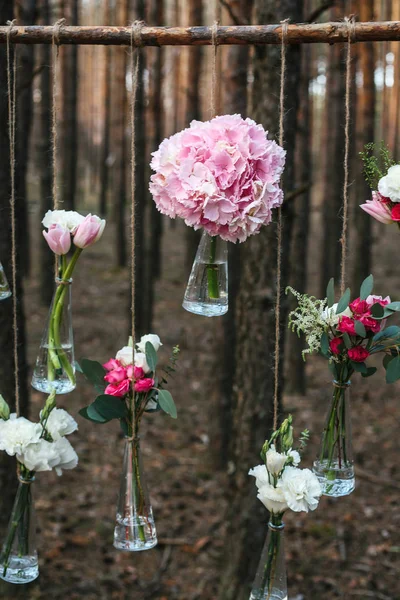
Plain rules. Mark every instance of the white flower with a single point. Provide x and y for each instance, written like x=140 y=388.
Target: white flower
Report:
x=151 y=405
x=140 y=361
x=40 y=456
x=300 y=488
x=331 y=318
x=16 y=433
x=275 y=460
x=272 y=498
x=67 y=457
x=60 y=423
x=69 y=219
x=295 y=456
x=389 y=186
x=261 y=474
x=125 y=355
x=150 y=337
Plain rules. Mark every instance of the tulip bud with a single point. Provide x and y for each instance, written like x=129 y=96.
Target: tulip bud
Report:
x=58 y=239
x=89 y=231
x=4 y=409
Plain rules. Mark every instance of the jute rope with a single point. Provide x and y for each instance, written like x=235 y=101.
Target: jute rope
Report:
x=55 y=46
x=351 y=26
x=136 y=43
x=214 y=39
x=279 y=229
x=11 y=90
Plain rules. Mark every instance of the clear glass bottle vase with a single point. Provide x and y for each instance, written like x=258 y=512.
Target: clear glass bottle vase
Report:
x=5 y=291
x=55 y=364
x=334 y=465
x=135 y=528
x=18 y=558
x=207 y=290
x=270 y=582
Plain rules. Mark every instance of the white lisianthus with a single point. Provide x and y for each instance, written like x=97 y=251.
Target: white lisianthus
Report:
x=331 y=318
x=67 y=457
x=125 y=355
x=275 y=460
x=389 y=186
x=300 y=488
x=295 y=457
x=140 y=361
x=69 y=219
x=60 y=423
x=152 y=338
x=16 y=433
x=40 y=456
x=261 y=474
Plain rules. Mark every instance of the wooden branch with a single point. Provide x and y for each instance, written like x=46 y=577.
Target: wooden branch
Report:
x=303 y=33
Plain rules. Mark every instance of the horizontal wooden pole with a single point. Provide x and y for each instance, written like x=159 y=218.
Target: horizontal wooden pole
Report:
x=302 y=33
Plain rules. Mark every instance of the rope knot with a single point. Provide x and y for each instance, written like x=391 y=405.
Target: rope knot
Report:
x=214 y=33
x=284 y=23
x=136 y=33
x=58 y=25
x=351 y=28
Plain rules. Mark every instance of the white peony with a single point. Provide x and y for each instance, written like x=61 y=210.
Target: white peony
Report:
x=69 y=219
x=389 y=186
x=275 y=460
x=40 y=456
x=331 y=318
x=301 y=489
x=152 y=338
x=67 y=457
x=16 y=433
x=60 y=423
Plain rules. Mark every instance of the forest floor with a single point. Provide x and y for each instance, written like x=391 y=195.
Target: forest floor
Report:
x=349 y=548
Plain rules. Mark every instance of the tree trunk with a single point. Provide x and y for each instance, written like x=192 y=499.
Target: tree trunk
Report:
x=7 y=471
x=333 y=161
x=296 y=373
x=44 y=150
x=69 y=124
x=255 y=320
x=365 y=126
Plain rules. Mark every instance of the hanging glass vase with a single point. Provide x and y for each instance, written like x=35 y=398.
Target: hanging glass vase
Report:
x=207 y=290
x=334 y=466
x=5 y=291
x=270 y=581
x=55 y=364
x=135 y=528
x=18 y=558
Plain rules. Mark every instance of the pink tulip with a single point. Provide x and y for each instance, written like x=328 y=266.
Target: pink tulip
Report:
x=58 y=239
x=116 y=376
x=119 y=390
x=144 y=385
x=89 y=231
x=377 y=209
x=112 y=364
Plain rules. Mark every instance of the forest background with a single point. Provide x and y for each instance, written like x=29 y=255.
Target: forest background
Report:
x=211 y=526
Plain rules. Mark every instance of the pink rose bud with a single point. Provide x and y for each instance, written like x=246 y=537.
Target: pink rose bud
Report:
x=112 y=364
x=120 y=389
x=89 y=231
x=346 y=325
x=138 y=373
x=358 y=354
x=116 y=376
x=58 y=239
x=144 y=385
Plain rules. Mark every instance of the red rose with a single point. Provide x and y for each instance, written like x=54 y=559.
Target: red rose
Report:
x=359 y=307
x=395 y=213
x=371 y=324
x=346 y=325
x=119 y=390
x=116 y=376
x=358 y=354
x=144 y=385
x=334 y=345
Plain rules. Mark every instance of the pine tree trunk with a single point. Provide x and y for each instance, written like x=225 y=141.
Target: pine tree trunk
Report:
x=365 y=124
x=7 y=472
x=255 y=321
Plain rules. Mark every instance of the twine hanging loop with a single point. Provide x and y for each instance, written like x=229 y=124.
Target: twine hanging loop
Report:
x=214 y=41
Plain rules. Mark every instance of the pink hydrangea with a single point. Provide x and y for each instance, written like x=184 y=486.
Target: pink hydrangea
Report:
x=221 y=175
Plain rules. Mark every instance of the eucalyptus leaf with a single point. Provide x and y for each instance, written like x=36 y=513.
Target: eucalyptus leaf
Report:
x=390 y=332
x=360 y=329
x=366 y=287
x=387 y=359
x=343 y=302
x=377 y=311
x=324 y=344
x=94 y=372
x=359 y=367
x=110 y=407
x=78 y=367
x=370 y=371
x=330 y=292
x=167 y=403
x=393 y=306
x=95 y=416
x=151 y=356
x=347 y=341
x=393 y=370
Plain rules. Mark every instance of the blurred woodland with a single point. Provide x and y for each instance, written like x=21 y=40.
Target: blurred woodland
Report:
x=211 y=525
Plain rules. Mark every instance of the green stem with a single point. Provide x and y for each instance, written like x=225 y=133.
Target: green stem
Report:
x=267 y=583
x=213 y=271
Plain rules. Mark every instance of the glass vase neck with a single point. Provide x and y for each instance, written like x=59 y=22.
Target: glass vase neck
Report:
x=344 y=385
x=276 y=526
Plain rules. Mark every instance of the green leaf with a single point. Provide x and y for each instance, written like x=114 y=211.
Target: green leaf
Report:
x=167 y=403
x=366 y=287
x=94 y=372
x=91 y=414
x=377 y=311
x=78 y=367
x=110 y=407
x=360 y=329
x=347 y=341
x=343 y=302
x=151 y=356
x=387 y=359
x=330 y=292
x=393 y=370
x=393 y=306
x=390 y=332
x=359 y=367
x=370 y=371
x=332 y=368
x=324 y=344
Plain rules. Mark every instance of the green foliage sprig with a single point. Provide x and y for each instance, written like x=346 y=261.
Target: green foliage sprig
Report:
x=377 y=161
